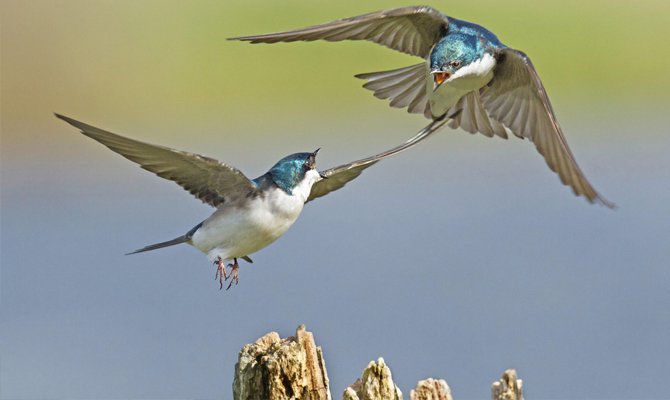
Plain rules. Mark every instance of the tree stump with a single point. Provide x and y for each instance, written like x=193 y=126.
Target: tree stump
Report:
x=281 y=369
x=431 y=389
x=293 y=368
x=376 y=383
x=508 y=387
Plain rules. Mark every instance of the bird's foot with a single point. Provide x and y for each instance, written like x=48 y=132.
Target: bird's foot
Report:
x=220 y=271
x=234 y=274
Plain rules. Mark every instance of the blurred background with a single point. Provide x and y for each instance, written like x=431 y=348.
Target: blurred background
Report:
x=457 y=259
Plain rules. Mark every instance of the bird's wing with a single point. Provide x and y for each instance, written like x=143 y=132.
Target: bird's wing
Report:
x=336 y=178
x=206 y=178
x=411 y=30
x=516 y=98
x=471 y=116
x=405 y=87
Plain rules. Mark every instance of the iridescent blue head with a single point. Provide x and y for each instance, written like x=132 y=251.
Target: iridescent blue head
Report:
x=288 y=172
x=463 y=44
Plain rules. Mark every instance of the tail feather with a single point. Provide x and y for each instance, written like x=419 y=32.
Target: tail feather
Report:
x=180 y=239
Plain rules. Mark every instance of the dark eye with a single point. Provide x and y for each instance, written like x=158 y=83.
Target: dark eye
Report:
x=455 y=63
x=308 y=164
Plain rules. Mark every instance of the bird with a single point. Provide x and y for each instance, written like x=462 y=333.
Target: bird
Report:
x=468 y=76
x=250 y=213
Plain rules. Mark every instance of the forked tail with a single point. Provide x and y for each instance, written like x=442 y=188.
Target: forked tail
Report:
x=181 y=239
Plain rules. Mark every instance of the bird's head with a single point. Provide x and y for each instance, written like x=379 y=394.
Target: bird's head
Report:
x=296 y=170
x=470 y=49
x=452 y=53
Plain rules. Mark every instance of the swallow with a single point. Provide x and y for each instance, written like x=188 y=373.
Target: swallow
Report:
x=468 y=76
x=250 y=213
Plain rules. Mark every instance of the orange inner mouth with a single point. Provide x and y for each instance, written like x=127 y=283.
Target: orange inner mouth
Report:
x=440 y=77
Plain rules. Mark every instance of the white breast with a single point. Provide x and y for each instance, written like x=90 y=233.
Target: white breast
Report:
x=471 y=77
x=238 y=231
x=476 y=74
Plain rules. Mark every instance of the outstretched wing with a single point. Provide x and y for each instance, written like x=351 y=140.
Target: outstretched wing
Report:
x=404 y=87
x=411 y=30
x=516 y=98
x=336 y=178
x=472 y=117
x=206 y=178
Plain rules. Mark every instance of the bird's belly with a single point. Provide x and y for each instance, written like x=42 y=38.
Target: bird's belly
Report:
x=237 y=232
x=447 y=95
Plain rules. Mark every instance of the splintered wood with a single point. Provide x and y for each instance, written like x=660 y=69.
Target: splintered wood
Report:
x=293 y=368
x=281 y=369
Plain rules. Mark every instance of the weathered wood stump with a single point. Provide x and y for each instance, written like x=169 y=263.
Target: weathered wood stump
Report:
x=293 y=368
x=281 y=369
x=376 y=383
x=431 y=389
x=508 y=387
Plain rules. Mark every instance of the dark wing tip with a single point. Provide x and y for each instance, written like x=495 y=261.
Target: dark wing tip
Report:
x=266 y=38
x=77 y=124
x=63 y=117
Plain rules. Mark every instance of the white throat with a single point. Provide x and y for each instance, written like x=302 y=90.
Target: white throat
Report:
x=304 y=187
x=467 y=79
x=477 y=69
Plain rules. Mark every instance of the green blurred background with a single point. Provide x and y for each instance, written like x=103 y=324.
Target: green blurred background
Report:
x=457 y=219
x=172 y=60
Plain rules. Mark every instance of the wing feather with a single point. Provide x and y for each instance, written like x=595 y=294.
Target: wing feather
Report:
x=206 y=178
x=516 y=98
x=404 y=87
x=411 y=30
x=472 y=117
x=339 y=176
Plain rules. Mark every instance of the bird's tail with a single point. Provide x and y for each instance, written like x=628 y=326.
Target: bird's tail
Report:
x=181 y=239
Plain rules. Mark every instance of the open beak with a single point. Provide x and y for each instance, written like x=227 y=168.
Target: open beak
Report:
x=320 y=173
x=440 y=77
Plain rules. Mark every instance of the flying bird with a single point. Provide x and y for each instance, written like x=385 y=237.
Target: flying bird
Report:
x=250 y=213
x=469 y=77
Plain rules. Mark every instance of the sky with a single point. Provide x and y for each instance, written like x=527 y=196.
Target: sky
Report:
x=457 y=259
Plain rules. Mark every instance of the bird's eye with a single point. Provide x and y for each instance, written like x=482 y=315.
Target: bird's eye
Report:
x=455 y=63
x=309 y=164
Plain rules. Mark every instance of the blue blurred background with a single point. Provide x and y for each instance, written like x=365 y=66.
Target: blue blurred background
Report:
x=457 y=259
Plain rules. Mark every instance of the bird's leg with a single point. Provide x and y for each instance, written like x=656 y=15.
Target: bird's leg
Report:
x=220 y=271
x=234 y=273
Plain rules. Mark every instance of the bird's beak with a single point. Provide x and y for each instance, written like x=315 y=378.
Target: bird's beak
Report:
x=439 y=77
x=312 y=158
